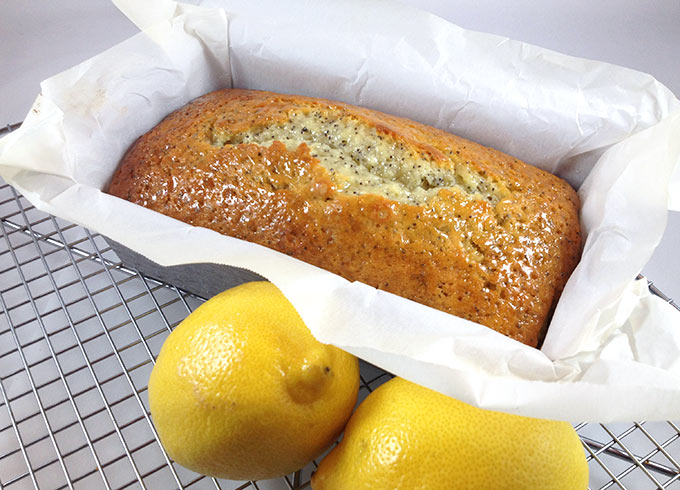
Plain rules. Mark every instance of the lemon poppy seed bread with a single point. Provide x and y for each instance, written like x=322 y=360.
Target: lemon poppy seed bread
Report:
x=375 y=198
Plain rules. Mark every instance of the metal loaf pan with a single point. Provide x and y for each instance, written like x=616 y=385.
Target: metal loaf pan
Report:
x=202 y=279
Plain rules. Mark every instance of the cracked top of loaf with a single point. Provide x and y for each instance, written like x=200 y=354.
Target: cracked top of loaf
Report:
x=375 y=198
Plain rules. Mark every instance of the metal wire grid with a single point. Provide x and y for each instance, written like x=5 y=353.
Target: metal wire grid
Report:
x=79 y=334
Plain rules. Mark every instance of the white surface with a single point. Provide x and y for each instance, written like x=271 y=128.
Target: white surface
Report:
x=39 y=39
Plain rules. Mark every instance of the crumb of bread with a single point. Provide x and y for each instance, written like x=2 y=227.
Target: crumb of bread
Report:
x=361 y=160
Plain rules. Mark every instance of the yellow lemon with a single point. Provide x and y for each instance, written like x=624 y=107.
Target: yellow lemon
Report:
x=242 y=390
x=404 y=436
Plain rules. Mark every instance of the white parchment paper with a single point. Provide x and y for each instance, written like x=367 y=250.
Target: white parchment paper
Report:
x=612 y=351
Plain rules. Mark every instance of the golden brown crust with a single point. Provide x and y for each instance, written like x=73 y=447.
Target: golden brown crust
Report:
x=499 y=264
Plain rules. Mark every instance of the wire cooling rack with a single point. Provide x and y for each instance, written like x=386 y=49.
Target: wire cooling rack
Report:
x=79 y=334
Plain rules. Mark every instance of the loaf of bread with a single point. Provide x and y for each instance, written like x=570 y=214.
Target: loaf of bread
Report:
x=375 y=198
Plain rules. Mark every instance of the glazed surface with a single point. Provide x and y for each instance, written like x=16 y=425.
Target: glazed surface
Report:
x=375 y=198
